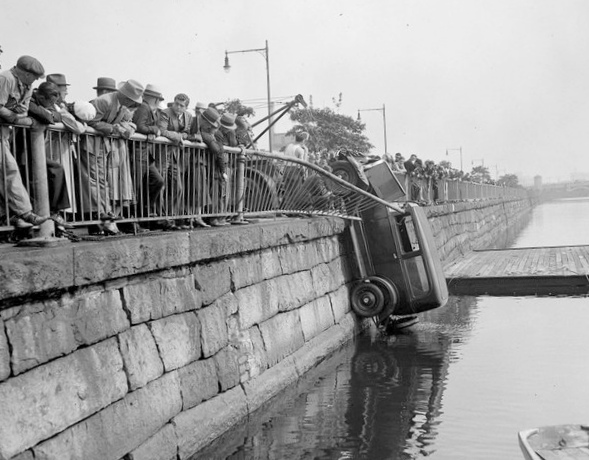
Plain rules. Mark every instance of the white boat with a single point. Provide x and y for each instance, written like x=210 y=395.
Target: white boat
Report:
x=556 y=442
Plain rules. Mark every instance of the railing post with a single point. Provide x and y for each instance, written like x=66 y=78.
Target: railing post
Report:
x=39 y=184
x=240 y=187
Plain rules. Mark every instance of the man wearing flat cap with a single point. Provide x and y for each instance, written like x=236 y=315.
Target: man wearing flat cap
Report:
x=113 y=119
x=15 y=94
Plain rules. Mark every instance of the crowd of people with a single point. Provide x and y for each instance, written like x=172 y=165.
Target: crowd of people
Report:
x=111 y=177
x=113 y=173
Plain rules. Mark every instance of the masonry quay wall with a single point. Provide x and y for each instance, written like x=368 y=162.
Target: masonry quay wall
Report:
x=462 y=227
x=152 y=347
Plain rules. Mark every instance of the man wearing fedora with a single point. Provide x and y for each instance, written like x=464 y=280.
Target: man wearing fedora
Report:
x=217 y=162
x=150 y=182
x=211 y=123
x=61 y=148
x=105 y=85
x=112 y=121
x=59 y=80
x=199 y=108
x=15 y=95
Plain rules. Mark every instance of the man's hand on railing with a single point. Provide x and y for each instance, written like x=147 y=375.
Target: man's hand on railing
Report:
x=20 y=109
x=23 y=120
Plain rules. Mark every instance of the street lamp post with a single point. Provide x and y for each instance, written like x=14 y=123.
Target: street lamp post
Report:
x=460 y=150
x=384 y=122
x=265 y=54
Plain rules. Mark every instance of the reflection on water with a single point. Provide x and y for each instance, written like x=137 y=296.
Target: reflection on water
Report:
x=460 y=386
x=557 y=223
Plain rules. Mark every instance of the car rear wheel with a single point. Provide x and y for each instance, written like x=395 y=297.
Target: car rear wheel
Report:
x=390 y=292
x=344 y=170
x=367 y=299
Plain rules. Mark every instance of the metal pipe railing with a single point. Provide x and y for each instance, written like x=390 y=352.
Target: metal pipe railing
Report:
x=119 y=177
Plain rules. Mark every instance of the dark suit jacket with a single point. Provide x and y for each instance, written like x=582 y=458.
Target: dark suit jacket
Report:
x=146 y=121
x=409 y=166
x=170 y=125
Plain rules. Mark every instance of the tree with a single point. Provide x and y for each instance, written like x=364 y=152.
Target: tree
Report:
x=237 y=107
x=508 y=180
x=480 y=174
x=329 y=130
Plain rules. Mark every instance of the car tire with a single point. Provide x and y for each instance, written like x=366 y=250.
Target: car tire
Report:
x=391 y=295
x=367 y=299
x=344 y=170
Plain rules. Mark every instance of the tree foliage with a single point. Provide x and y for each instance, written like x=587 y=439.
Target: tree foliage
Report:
x=237 y=107
x=508 y=180
x=480 y=174
x=329 y=130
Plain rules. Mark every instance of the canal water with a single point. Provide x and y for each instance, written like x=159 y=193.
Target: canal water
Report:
x=460 y=386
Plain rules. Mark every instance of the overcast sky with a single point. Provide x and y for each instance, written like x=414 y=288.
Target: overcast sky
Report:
x=506 y=80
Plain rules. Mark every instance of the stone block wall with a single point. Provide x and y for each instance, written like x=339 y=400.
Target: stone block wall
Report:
x=459 y=228
x=150 y=348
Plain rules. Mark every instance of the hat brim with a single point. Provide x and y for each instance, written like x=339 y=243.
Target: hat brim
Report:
x=214 y=123
x=133 y=97
x=231 y=127
x=149 y=93
x=110 y=88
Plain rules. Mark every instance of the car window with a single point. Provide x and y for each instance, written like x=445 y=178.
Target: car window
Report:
x=409 y=241
x=417 y=276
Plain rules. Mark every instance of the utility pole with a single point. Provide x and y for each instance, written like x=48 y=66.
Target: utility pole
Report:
x=460 y=150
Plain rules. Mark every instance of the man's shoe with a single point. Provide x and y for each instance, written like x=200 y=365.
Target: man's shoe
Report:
x=219 y=222
x=18 y=223
x=105 y=216
x=60 y=222
x=110 y=229
x=183 y=224
x=198 y=222
x=167 y=225
x=33 y=218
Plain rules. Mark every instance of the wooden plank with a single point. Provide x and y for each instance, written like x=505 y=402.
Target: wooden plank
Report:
x=487 y=263
x=560 y=271
x=458 y=266
x=552 y=266
x=513 y=261
x=577 y=259
x=520 y=269
x=523 y=270
x=535 y=257
x=584 y=258
x=565 y=263
x=562 y=454
x=542 y=266
x=501 y=265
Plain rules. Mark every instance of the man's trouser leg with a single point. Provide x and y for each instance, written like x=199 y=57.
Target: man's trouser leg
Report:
x=11 y=184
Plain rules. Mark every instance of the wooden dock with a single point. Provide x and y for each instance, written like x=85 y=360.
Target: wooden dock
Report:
x=556 y=270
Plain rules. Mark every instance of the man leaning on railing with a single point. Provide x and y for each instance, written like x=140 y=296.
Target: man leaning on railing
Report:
x=15 y=94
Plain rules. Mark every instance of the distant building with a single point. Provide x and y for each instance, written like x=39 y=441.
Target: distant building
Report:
x=537 y=181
